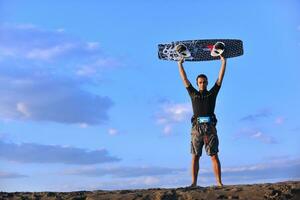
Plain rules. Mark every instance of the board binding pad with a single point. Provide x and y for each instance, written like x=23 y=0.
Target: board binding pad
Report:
x=200 y=50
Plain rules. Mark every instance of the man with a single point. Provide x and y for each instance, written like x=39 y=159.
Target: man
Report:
x=204 y=130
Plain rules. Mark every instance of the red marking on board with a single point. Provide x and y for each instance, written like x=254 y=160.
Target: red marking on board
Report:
x=210 y=46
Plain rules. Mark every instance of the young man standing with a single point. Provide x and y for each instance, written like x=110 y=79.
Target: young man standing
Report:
x=204 y=121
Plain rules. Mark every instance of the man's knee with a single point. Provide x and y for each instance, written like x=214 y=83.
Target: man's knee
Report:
x=214 y=157
x=195 y=157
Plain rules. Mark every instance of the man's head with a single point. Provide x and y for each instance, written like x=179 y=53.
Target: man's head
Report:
x=202 y=82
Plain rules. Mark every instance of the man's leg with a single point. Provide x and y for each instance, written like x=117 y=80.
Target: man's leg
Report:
x=217 y=169
x=195 y=169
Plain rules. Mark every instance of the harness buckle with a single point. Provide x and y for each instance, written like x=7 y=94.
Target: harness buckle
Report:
x=203 y=120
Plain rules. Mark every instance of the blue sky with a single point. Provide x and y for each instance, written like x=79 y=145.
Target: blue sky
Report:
x=86 y=104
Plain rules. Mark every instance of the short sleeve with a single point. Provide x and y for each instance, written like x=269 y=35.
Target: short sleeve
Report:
x=215 y=89
x=191 y=90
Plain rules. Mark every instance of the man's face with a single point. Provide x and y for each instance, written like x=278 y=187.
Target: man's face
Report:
x=202 y=83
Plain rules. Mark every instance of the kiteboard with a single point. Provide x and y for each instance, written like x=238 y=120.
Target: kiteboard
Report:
x=200 y=50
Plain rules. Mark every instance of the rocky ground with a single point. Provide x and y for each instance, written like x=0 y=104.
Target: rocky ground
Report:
x=282 y=190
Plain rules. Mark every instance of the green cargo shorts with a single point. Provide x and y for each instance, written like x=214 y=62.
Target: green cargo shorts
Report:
x=204 y=134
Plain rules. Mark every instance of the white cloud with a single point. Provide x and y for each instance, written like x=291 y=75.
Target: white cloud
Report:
x=47 y=98
x=131 y=183
x=272 y=168
x=264 y=113
x=177 y=112
x=97 y=66
x=34 y=44
x=50 y=52
x=171 y=114
x=112 y=178
x=161 y=120
x=38 y=79
x=39 y=153
x=9 y=175
x=151 y=180
x=113 y=131
x=60 y=30
x=83 y=125
x=244 y=168
x=124 y=171
x=92 y=45
x=114 y=184
x=22 y=108
x=278 y=169
x=86 y=71
x=255 y=134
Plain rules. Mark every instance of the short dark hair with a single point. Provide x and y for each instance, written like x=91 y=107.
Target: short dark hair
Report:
x=201 y=76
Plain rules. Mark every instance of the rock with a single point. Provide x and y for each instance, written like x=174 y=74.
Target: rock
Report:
x=283 y=190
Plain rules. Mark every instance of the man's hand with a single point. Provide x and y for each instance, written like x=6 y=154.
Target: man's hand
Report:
x=181 y=60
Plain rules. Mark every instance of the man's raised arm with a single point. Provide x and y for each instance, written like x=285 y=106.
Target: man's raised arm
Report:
x=183 y=76
x=222 y=71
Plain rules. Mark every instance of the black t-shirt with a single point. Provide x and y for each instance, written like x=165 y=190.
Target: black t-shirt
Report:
x=203 y=103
